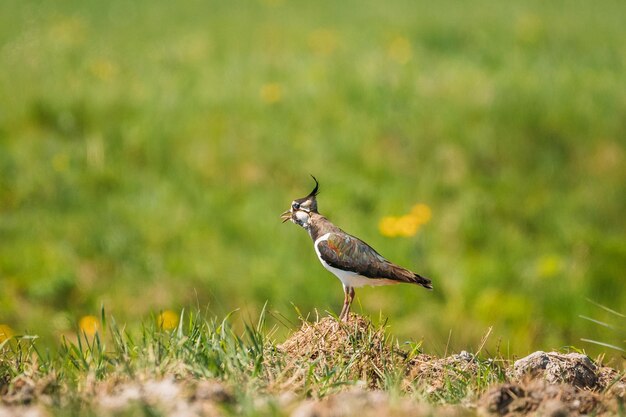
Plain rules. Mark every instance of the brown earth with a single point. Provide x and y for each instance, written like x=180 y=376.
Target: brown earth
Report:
x=543 y=383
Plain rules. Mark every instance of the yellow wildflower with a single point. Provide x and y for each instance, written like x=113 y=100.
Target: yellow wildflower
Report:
x=89 y=325
x=407 y=225
x=271 y=93
x=422 y=213
x=167 y=320
x=388 y=226
x=5 y=332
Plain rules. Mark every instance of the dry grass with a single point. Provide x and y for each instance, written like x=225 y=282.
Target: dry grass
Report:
x=355 y=350
x=326 y=368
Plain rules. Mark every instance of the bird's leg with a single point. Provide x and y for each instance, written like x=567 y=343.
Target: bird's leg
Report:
x=345 y=313
x=345 y=301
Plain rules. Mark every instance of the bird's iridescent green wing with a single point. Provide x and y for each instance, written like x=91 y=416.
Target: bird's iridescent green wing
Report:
x=349 y=253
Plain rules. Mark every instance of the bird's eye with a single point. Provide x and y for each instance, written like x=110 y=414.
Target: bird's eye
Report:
x=295 y=206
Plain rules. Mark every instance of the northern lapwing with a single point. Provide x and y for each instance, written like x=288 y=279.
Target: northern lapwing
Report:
x=353 y=261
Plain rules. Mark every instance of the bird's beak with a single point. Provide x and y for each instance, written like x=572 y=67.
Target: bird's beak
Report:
x=286 y=216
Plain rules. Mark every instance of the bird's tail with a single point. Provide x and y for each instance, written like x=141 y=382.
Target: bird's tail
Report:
x=423 y=281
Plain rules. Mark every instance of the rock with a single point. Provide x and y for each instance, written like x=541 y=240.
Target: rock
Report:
x=571 y=368
x=532 y=365
x=465 y=356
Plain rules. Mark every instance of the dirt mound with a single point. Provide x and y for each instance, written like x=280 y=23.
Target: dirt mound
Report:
x=435 y=373
x=169 y=396
x=330 y=368
x=571 y=368
x=574 y=369
x=371 y=404
x=542 y=383
x=540 y=398
x=359 y=349
x=613 y=383
x=556 y=384
x=24 y=390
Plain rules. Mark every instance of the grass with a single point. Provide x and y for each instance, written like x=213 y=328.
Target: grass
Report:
x=250 y=365
x=204 y=364
x=614 y=325
x=146 y=151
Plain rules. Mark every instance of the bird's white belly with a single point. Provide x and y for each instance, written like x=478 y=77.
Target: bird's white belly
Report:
x=352 y=279
x=349 y=278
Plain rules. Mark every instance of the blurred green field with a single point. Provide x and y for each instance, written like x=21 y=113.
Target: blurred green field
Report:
x=147 y=149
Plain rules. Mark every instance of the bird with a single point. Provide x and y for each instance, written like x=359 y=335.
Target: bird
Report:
x=350 y=259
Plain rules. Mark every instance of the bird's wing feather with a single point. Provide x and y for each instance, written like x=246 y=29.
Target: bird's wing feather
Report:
x=350 y=253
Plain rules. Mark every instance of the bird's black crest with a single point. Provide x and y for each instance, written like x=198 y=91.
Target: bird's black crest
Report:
x=315 y=190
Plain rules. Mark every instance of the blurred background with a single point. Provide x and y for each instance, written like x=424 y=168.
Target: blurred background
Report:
x=148 y=148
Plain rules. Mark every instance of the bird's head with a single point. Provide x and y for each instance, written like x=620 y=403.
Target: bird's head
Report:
x=301 y=209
